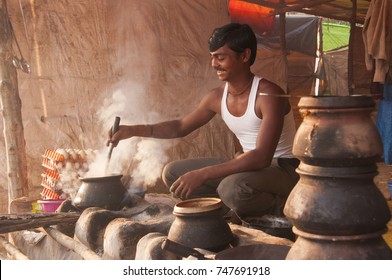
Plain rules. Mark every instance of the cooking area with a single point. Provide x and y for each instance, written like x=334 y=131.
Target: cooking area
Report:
x=228 y=132
x=116 y=224
x=108 y=215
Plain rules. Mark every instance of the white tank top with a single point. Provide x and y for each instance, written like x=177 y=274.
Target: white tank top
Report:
x=247 y=126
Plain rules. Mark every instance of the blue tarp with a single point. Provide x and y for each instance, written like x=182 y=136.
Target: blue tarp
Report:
x=384 y=122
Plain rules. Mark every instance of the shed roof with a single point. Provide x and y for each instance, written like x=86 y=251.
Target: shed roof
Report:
x=345 y=10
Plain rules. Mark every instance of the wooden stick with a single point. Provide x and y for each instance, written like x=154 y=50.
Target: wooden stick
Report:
x=15 y=147
x=350 y=59
x=17 y=222
x=289 y=7
x=12 y=250
x=3 y=257
x=69 y=243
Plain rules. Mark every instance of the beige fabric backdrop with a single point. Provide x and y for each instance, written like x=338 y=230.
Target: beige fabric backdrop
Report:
x=92 y=60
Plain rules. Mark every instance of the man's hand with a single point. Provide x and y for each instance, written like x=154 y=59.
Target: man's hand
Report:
x=111 y=138
x=124 y=132
x=187 y=183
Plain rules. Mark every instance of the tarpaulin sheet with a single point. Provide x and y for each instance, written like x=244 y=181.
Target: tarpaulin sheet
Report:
x=92 y=60
x=301 y=34
x=384 y=122
x=335 y=64
x=145 y=61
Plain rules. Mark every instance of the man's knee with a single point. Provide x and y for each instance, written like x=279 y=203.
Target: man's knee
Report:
x=245 y=200
x=234 y=195
x=168 y=174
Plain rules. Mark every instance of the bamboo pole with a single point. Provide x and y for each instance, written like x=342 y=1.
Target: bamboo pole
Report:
x=283 y=44
x=11 y=111
x=69 y=243
x=282 y=28
x=350 y=60
x=12 y=250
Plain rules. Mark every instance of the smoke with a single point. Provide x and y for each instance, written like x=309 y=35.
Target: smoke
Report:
x=141 y=160
x=151 y=156
x=136 y=60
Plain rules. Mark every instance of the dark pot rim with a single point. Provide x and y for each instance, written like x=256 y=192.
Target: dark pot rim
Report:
x=349 y=101
x=197 y=206
x=101 y=178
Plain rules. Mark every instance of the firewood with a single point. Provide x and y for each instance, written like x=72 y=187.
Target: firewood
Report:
x=72 y=244
x=12 y=250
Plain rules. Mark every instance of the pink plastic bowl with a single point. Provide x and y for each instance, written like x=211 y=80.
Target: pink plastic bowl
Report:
x=50 y=205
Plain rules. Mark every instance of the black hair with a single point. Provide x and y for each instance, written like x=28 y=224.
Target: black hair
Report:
x=238 y=37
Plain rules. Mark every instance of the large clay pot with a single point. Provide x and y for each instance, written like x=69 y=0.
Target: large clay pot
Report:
x=370 y=247
x=337 y=131
x=199 y=223
x=335 y=208
x=337 y=201
x=105 y=192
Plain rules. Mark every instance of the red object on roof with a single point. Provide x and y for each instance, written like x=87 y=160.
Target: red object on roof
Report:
x=254 y=15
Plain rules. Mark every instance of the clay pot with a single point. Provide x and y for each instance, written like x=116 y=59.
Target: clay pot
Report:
x=336 y=210
x=199 y=223
x=105 y=192
x=338 y=145
x=337 y=131
x=337 y=201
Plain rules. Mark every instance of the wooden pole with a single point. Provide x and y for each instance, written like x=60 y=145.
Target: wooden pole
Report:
x=283 y=45
x=350 y=60
x=69 y=243
x=11 y=223
x=12 y=250
x=3 y=257
x=11 y=111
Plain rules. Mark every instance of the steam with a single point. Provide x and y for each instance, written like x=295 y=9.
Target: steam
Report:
x=140 y=160
x=150 y=156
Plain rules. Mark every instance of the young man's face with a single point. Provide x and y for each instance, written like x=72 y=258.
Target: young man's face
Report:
x=226 y=62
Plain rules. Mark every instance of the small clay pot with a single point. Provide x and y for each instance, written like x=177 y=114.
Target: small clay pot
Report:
x=199 y=223
x=105 y=192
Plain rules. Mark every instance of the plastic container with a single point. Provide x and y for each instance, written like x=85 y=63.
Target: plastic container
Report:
x=36 y=207
x=50 y=205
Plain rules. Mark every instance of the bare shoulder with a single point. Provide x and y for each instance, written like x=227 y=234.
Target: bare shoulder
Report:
x=213 y=98
x=216 y=93
x=268 y=103
x=268 y=87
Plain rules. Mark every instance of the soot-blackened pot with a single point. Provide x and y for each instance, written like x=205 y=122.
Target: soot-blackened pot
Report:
x=106 y=192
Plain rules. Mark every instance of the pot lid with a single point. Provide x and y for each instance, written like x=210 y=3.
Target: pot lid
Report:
x=197 y=205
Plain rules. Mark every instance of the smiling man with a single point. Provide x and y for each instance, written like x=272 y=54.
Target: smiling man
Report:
x=263 y=172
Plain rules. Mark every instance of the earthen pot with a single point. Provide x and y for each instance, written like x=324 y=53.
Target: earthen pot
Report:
x=338 y=145
x=199 y=223
x=337 y=131
x=106 y=192
x=336 y=209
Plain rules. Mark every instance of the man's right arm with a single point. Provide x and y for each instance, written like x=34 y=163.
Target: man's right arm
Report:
x=204 y=112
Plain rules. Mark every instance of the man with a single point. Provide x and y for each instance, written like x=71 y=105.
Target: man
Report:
x=253 y=183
